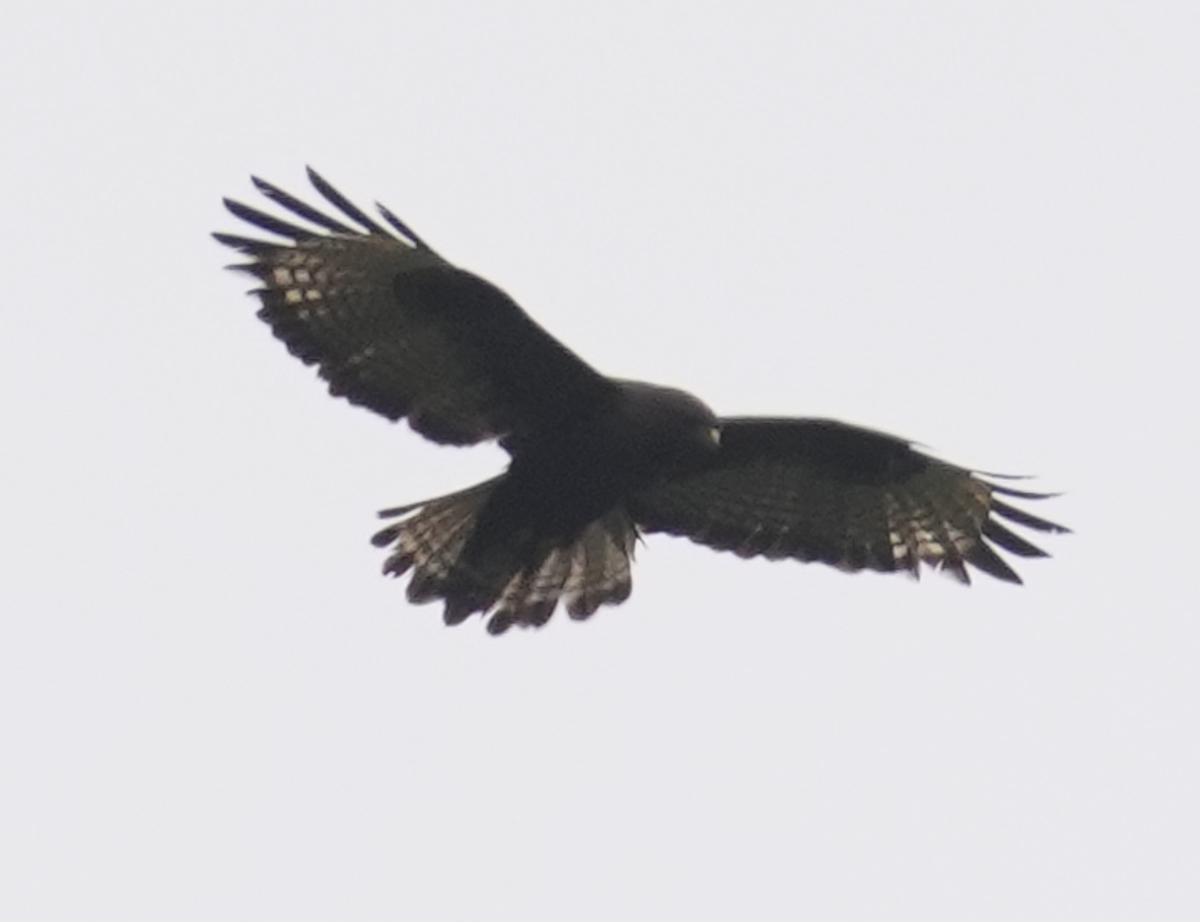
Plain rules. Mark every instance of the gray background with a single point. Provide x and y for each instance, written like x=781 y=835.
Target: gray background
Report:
x=971 y=224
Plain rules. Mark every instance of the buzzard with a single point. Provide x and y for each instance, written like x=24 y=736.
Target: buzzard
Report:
x=595 y=461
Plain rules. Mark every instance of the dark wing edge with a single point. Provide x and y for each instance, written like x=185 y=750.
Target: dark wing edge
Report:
x=993 y=530
x=824 y=491
x=367 y=226
x=395 y=328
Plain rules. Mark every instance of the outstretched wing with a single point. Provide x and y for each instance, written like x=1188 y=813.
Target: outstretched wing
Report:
x=820 y=490
x=394 y=327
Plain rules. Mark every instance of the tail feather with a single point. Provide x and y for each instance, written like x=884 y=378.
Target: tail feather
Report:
x=600 y=566
x=430 y=539
x=430 y=536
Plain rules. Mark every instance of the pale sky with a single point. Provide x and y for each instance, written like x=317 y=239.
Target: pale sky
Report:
x=973 y=225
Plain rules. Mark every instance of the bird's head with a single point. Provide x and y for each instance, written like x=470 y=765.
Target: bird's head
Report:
x=669 y=424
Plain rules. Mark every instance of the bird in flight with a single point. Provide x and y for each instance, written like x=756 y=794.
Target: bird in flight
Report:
x=595 y=461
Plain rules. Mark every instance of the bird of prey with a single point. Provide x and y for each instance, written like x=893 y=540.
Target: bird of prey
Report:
x=595 y=461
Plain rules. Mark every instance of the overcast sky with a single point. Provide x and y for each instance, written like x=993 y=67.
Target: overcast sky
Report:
x=978 y=229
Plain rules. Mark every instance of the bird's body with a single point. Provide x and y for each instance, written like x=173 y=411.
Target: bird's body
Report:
x=594 y=460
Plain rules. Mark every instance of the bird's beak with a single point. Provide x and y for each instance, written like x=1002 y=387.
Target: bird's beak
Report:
x=714 y=436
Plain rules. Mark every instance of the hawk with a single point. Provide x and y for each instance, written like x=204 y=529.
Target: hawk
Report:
x=595 y=461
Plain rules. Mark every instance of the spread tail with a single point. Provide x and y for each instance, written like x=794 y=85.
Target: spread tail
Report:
x=431 y=539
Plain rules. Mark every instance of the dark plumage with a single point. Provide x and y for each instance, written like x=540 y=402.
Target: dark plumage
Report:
x=394 y=327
